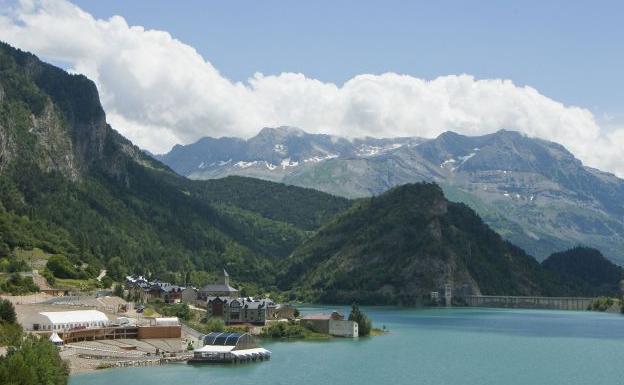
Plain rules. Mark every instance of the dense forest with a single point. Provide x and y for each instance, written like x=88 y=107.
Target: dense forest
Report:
x=73 y=186
x=403 y=244
x=585 y=272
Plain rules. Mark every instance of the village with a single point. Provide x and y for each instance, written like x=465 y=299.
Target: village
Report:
x=97 y=330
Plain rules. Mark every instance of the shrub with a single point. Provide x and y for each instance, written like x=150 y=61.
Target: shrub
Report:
x=33 y=361
x=61 y=267
x=180 y=310
x=47 y=274
x=284 y=330
x=118 y=290
x=214 y=324
x=108 y=282
x=18 y=285
x=7 y=311
x=601 y=304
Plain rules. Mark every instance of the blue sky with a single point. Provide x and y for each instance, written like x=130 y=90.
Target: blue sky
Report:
x=174 y=72
x=571 y=51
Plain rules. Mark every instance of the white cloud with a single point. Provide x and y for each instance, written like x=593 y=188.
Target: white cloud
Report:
x=159 y=91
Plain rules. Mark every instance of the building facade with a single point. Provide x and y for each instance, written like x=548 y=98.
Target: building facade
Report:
x=332 y=323
x=239 y=310
x=343 y=328
x=189 y=296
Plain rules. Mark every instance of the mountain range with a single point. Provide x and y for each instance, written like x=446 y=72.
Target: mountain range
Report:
x=71 y=185
x=533 y=192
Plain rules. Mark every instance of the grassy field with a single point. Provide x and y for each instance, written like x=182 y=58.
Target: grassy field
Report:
x=81 y=284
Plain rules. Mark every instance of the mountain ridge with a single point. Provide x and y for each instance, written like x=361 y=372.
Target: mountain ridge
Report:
x=72 y=185
x=532 y=191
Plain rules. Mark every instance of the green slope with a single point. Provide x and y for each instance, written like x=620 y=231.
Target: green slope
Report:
x=400 y=246
x=72 y=185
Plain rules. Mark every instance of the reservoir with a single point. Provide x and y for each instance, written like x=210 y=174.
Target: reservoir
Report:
x=467 y=346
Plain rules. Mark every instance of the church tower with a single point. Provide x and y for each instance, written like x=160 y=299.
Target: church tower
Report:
x=225 y=278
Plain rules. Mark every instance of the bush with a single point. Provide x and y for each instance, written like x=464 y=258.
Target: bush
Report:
x=12 y=264
x=118 y=290
x=33 y=361
x=7 y=311
x=5 y=250
x=364 y=323
x=214 y=324
x=61 y=267
x=180 y=310
x=108 y=282
x=10 y=334
x=18 y=285
x=284 y=330
x=47 y=274
x=602 y=304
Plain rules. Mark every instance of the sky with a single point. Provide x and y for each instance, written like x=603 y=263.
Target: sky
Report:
x=173 y=72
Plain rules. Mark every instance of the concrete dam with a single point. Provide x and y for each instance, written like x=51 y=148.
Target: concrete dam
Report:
x=554 y=303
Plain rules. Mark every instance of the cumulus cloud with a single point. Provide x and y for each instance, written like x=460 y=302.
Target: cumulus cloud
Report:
x=158 y=91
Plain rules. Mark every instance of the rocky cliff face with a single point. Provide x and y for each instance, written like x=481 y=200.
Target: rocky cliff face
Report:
x=53 y=148
x=59 y=121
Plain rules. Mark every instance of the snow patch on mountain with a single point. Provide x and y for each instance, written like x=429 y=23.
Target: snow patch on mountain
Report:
x=366 y=150
x=243 y=164
x=465 y=158
x=288 y=163
x=280 y=149
x=317 y=159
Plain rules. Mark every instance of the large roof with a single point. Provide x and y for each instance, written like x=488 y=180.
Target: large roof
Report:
x=216 y=338
x=219 y=288
x=323 y=316
x=74 y=316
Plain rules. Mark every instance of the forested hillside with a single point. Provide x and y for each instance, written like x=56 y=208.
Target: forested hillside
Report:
x=72 y=185
x=586 y=272
x=403 y=244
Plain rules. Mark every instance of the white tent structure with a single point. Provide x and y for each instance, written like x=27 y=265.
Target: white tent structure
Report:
x=59 y=321
x=55 y=339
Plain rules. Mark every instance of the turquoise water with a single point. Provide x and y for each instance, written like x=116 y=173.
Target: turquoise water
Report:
x=428 y=347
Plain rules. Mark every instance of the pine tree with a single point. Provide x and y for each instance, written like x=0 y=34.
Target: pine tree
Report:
x=7 y=311
x=364 y=323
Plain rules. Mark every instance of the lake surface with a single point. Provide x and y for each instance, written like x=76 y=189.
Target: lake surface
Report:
x=428 y=347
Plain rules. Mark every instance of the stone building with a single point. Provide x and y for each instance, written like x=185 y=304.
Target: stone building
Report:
x=189 y=296
x=239 y=310
x=331 y=323
x=220 y=289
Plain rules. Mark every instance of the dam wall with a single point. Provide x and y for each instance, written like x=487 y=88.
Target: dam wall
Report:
x=521 y=302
